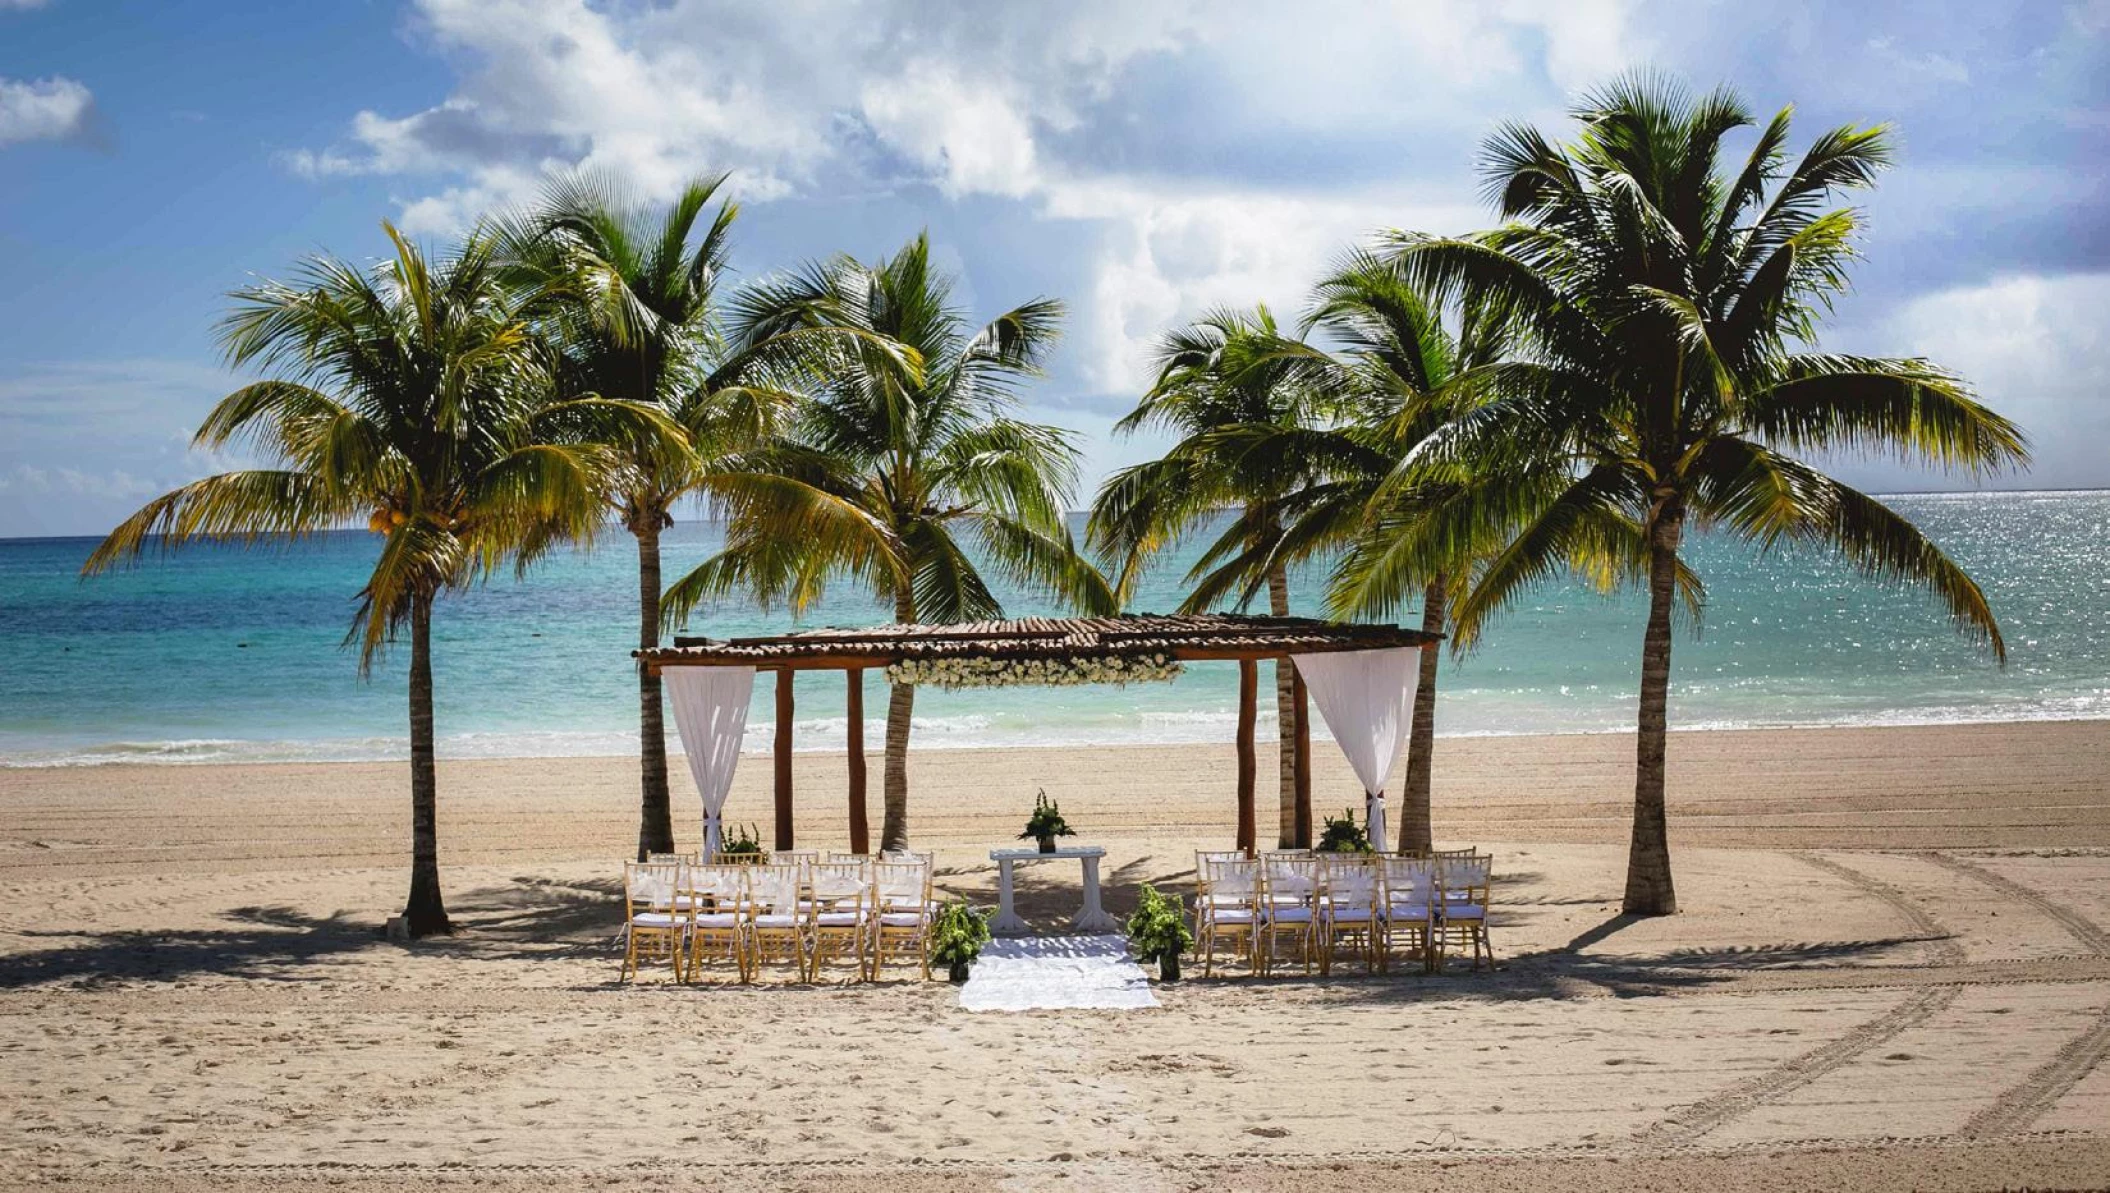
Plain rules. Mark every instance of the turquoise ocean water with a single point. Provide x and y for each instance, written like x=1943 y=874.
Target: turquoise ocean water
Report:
x=217 y=654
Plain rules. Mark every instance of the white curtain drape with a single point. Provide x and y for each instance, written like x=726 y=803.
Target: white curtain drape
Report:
x=710 y=710
x=1365 y=697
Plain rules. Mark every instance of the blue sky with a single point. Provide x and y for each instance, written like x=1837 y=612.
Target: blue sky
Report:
x=1141 y=161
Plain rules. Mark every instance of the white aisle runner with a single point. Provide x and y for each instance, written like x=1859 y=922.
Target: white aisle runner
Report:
x=1034 y=973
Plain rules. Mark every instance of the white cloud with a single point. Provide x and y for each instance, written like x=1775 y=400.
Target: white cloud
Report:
x=53 y=109
x=1170 y=253
x=117 y=484
x=1030 y=108
x=2036 y=349
x=1937 y=67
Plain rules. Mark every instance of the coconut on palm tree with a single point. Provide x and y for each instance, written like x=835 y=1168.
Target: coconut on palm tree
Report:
x=1668 y=312
x=1258 y=448
x=627 y=298
x=409 y=397
x=906 y=471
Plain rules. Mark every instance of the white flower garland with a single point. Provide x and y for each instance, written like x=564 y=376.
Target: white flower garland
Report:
x=1001 y=673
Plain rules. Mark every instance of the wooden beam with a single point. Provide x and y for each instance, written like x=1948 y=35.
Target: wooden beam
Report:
x=1248 y=688
x=783 y=750
x=860 y=823
x=1300 y=705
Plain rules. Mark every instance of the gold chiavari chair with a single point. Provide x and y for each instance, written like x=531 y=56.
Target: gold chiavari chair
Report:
x=842 y=907
x=717 y=898
x=1289 y=895
x=1351 y=908
x=1413 y=907
x=901 y=927
x=778 y=916
x=652 y=925
x=1227 y=909
x=1465 y=883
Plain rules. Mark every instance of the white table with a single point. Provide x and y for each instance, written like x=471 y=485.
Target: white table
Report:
x=1090 y=918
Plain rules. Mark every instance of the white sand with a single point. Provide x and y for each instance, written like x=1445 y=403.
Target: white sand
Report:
x=1890 y=972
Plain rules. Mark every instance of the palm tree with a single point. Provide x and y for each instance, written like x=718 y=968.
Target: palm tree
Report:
x=1397 y=370
x=627 y=297
x=1669 y=312
x=907 y=454
x=1257 y=437
x=411 y=395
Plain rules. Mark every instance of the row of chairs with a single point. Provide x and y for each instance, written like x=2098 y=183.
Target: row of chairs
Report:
x=804 y=912
x=1320 y=907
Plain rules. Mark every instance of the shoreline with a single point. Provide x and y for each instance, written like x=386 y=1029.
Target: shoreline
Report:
x=145 y=758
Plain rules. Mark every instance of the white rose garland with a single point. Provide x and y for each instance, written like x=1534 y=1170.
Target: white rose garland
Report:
x=999 y=673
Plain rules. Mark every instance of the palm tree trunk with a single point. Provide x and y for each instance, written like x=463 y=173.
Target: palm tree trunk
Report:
x=900 y=708
x=1648 y=884
x=425 y=913
x=1285 y=716
x=1416 y=827
x=655 y=831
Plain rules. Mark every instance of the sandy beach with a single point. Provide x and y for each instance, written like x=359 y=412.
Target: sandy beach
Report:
x=1892 y=970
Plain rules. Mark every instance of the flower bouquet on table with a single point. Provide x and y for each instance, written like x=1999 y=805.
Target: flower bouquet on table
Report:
x=1046 y=823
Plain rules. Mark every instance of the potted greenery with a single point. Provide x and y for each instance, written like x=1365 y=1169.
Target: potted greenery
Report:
x=1158 y=932
x=1343 y=835
x=1047 y=823
x=957 y=935
x=741 y=845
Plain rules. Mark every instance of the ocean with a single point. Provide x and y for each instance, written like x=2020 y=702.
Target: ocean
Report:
x=217 y=654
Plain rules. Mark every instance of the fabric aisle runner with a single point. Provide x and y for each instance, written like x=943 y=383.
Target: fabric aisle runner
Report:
x=1044 y=973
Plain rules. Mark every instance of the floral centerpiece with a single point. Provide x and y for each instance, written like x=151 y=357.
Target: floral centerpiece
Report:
x=741 y=844
x=1000 y=673
x=1046 y=823
x=1343 y=835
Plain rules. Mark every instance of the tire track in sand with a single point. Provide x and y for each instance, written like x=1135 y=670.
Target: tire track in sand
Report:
x=2080 y=927
x=2014 y=1109
x=1691 y=1122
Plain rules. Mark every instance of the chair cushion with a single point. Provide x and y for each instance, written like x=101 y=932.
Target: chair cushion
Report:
x=1228 y=915
x=776 y=921
x=1408 y=911
x=1351 y=915
x=1290 y=915
x=657 y=919
x=718 y=919
x=1464 y=911
x=838 y=919
x=901 y=919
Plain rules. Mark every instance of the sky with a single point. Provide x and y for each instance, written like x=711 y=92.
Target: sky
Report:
x=1141 y=161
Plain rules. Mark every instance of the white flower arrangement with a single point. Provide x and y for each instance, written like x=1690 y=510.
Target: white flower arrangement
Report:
x=1003 y=673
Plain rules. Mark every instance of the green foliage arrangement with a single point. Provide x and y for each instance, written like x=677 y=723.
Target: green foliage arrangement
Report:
x=741 y=844
x=1046 y=823
x=957 y=936
x=1157 y=931
x=1343 y=835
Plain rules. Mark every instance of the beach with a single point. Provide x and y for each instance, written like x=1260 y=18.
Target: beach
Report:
x=1891 y=969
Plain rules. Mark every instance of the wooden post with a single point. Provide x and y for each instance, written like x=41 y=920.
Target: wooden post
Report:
x=784 y=759
x=1301 y=704
x=860 y=825
x=1248 y=688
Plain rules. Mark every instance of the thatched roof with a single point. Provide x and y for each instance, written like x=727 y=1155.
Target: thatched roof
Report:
x=1183 y=637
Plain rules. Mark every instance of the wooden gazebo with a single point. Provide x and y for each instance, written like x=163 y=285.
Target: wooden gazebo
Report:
x=1183 y=638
